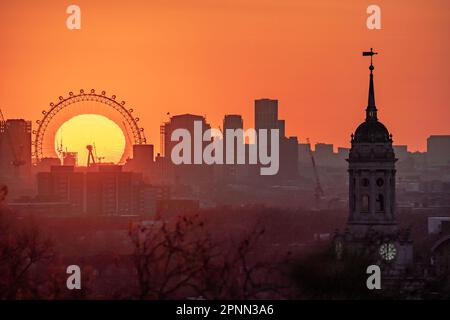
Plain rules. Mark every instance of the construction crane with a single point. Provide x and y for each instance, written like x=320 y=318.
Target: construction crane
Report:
x=17 y=161
x=90 y=159
x=59 y=147
x=318 y=192
x=99 y=159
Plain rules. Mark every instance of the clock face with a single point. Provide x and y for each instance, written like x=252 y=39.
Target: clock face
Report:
x=388 y=251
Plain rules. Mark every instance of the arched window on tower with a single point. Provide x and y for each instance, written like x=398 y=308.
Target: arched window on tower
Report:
x=380 y=203
x=365 y=203
x=380 y=182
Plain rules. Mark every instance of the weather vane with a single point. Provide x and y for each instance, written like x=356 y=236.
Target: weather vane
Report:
x=371 y=54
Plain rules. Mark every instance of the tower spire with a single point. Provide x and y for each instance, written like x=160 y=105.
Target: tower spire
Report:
x=371 y=110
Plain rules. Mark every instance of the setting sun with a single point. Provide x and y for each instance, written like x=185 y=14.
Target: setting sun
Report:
x=91 y=129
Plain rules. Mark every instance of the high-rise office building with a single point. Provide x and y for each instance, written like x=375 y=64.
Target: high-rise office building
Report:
x=183 y=121
x=401 y=152
x=143 y=161
x=143 y=154
x=289 y=158
x=15 y=155
x=231 y=172
x=105 y=191
x=304 y=154
x=266 y=114
x=187 y=173
x=70 y=158
x=62 y=184
x=438 y=150
x=109 y=191
x=266 y=117
x=323 y=154
x=233 y=121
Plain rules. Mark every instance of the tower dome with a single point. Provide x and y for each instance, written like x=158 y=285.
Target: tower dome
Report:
x=371 y=131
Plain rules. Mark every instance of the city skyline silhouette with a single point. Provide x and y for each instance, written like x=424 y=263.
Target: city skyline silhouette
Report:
x=237 y=152
x=284 y=51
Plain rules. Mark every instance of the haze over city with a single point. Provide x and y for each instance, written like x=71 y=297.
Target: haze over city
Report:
x=219 y=56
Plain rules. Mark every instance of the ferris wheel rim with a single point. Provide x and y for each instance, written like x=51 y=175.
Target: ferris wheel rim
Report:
x=137 y=133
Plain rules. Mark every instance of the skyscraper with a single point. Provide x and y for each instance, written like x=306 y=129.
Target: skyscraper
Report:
x=15 y=155
x=438 y=150
x=266 y=114
x=266 y=117
x=233 y=121
x=186 y=173
x=230 y=172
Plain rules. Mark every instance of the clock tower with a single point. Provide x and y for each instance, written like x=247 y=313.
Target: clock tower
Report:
x=372 y=225
x=371 y=173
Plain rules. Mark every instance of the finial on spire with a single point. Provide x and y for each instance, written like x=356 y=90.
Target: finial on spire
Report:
x=371 y=54
x=371 y=111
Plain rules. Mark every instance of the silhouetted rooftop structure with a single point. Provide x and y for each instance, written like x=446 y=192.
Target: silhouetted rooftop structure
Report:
x=371 y=130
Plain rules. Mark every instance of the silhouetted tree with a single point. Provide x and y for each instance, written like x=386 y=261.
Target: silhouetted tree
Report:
x=22 y=248
x=180 y=260
x=242 y=272
x=27 y=266
x=321 y=276
x=168 y=256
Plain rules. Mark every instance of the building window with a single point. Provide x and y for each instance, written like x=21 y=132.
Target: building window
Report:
x=365 y=203
x=380 y=203
x=380 y=182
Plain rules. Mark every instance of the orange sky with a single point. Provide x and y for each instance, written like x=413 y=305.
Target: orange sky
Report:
x=213 y=57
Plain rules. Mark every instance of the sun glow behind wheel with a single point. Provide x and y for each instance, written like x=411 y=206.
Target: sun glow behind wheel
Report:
x=83 y=103
x=91 y=129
